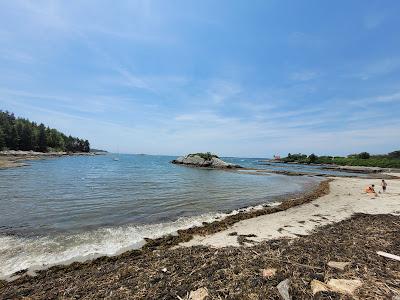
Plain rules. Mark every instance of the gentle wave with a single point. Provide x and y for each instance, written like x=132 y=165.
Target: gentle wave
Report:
x=35 y=253
x=77 y=208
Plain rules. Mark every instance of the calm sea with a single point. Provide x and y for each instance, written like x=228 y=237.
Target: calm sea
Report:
x=69 y=208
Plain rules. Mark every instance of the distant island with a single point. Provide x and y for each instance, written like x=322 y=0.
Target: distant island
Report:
x=205 y=160
x=93 y=150
x=390 y=160
x=22 y=134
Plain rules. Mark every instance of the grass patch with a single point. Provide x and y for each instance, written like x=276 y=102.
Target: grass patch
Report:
x=206 y=156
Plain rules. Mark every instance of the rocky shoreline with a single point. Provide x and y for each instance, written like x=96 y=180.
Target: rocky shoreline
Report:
x=349 y=169
x=15 y=159
x=368 y=175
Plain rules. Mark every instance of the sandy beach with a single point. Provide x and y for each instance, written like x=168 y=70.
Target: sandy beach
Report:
x=346 y=198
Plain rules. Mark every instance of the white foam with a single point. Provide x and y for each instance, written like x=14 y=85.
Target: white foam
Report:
x=34 y=253
x=18 y=253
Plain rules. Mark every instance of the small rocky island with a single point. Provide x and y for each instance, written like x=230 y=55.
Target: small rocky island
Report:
x=205 y=160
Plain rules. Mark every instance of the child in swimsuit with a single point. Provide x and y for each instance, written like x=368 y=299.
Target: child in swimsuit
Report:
x=384 y=185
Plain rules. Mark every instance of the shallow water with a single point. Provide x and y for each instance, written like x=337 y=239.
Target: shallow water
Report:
x=61 y=209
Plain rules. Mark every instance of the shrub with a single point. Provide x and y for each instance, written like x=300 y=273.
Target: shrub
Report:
x=394 y=154
x=364 y=155
x=312 y=158
x=206 y=156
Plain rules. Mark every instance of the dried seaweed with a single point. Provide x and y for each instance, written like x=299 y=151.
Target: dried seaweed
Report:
x=233 y=272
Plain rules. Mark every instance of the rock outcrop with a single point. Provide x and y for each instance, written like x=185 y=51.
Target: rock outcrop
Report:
x=210 y=161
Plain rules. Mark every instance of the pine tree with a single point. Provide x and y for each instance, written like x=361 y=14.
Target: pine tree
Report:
x=42 y=141
x=21 y=134
x=2 y=140
x=26 y=141
x=13 y=139
x=86 y=147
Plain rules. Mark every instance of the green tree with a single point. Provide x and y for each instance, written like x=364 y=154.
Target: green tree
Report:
x=13 y=139
x=21 y=134
x=86 y=147
x=394 y=154
x=364 y=155
x=42 y=141
x=2 y=140
x=26 y=141
x=312 y=158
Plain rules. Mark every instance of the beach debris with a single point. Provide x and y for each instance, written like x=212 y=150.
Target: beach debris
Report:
x=283 y=289
x=344 y=286
x=234 y=272
x=164 y=270
x=340 y=265
x=268 y=273
x=318 y=286
x=254 y=296
x=388 y=255
x=243 y=239
x=199 y=294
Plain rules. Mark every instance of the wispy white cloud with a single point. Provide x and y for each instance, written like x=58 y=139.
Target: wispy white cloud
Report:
x=306 y=40
x=221 y=91
x=126 y=81
x=389 y=98
x=378 y=68
x=304 y=75
x=16 y=56
x=373 y=20
x=377 y=99
x=87 y=103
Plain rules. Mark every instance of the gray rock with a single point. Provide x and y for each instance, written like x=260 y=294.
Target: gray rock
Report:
x=197 y=161
x=283 y=289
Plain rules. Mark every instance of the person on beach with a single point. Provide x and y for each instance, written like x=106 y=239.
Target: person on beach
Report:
x=371 y=189
x=384 y=185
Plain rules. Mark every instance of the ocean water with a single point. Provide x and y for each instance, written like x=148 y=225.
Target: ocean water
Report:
x=72 y=208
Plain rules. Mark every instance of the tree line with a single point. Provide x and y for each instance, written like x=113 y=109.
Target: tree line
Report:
x=389 y=160
x=22 y=134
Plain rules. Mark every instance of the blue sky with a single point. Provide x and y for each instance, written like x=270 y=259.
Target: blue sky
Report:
x=240 y=78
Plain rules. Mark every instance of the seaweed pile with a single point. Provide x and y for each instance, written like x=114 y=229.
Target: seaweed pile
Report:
x=235 y=272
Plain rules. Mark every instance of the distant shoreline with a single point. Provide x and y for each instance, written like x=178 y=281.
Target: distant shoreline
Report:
x=15 y=159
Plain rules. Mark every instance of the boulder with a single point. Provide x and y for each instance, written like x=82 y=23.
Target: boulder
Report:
x=195 y=160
